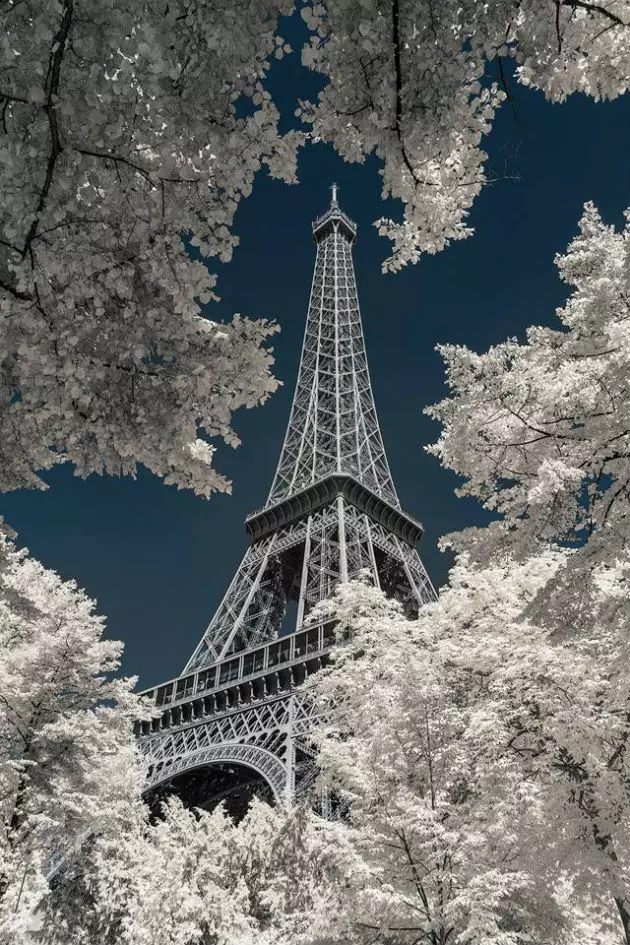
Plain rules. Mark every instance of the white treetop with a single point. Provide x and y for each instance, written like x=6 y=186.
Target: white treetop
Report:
x=194 y=878
x=423 y=777
x=68 y=762
x=540 y=431
x=560 y=685
x=83 y=860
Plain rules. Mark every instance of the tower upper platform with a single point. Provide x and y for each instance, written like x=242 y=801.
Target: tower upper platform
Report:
x=334 y=218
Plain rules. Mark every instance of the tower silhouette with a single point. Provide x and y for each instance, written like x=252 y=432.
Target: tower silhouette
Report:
x=233 y=723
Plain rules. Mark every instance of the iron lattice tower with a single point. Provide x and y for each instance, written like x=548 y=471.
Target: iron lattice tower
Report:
x=232 y=722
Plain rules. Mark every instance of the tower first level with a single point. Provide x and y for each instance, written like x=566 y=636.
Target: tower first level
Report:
x=233 y=723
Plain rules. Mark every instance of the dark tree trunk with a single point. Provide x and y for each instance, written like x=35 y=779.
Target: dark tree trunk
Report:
x=623 y=907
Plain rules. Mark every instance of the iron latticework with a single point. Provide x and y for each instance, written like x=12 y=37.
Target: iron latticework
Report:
x=332 y=513
x=333 y=426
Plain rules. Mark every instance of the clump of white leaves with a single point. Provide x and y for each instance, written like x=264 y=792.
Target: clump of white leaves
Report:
x=119 y=137
x=68 y=761
x=482 y=762
x=198 y=878
x=409 y=82
x=82 y=859
x=540 y=430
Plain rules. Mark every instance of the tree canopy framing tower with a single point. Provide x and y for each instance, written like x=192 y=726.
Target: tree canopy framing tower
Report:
x=232 y=722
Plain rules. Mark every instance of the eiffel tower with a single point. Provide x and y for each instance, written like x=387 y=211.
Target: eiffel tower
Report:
x=232 y=723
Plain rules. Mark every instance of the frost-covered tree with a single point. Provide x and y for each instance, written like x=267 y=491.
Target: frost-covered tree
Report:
x=562 y=692
x=540 y=433
x=68 y=762
x=412 y=82
x=408 y=754
x=124 y=127
x=119 y=135
x=197 y=878
x=450 y=741
x=540 y=430
x=83 y=860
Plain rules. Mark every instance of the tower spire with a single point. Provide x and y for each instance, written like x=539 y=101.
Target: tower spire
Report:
x=332 y=514
x=333 y=427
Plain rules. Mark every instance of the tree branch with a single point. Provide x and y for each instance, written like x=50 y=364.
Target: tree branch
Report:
x=52 y=82
x=399 y=82
x=119 y=159
x=594 y=8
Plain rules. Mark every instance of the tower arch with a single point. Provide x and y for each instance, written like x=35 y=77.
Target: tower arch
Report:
x=259 y=760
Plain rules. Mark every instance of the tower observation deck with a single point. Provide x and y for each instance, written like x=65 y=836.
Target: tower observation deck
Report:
x=233 y=722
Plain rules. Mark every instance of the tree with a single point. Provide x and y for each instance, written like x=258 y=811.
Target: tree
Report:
x=431 y=798
x=118 y=139
x=68 y=762
x=124 y=128
x=447 y=740
x=82 y=858
x=195 y=878
x=417 y=82
x=540 y=433
x=562 y=693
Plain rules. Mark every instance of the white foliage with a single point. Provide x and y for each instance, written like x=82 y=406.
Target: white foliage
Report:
x=68 y=761
x=428 y=780
x=126 y=127
x=408 y=82
x=474 y=752
x=540 y=430
x=194 y=878
x=540 y=433
x=120 y=136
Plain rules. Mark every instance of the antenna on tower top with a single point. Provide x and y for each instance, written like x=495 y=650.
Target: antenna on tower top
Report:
x=333 y=201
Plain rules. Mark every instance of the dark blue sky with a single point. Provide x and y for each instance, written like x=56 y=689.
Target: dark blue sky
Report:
x=158 y=560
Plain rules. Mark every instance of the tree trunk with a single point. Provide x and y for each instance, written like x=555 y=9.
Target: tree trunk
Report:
x=623 y=907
